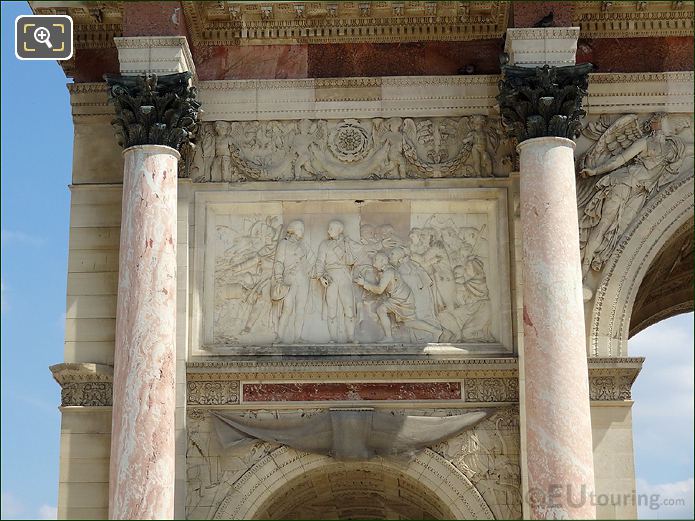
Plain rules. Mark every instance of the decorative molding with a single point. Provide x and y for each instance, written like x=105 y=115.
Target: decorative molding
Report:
x=610 y=388
x=213 y=392
x=543 y=101
x=212 y=383
x=633 y=19
x=84 y=384
x=415 y=96
x=95 y=24
x=368 y=148
x=354 y=369
x=491 y=389
x=154 y=110
x=255 y=23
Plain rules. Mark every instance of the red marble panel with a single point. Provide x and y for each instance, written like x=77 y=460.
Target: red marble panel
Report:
x=334 y=391
x=527 y=14
x=251 y=62
x=637 y=54
x=153 y=19
x=92 y=64
x=405 y=59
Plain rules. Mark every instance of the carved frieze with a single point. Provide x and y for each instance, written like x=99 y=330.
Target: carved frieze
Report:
x=610 y=387
x=491 y=389
x=633 y=19
x=377 y=148
x=630 y=159
x=154 y=110
x=84 y=384
x=213 y=391
x=352 y=272
x=543 y=101
x=253 y=23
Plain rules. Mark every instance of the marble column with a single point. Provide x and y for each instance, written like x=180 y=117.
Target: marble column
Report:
x=142 y=438
x=558 y=420
x=142 y=465
x=541 y=108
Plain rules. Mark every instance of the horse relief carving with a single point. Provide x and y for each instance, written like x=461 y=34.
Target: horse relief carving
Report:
x=377 y=148
x=349 y=280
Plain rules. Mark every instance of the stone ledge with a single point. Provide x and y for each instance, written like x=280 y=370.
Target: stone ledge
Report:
x=412 y=96
x=216 y=382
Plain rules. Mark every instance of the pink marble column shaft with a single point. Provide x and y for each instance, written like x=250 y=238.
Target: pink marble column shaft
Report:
x=558 y=422
x=141 y=484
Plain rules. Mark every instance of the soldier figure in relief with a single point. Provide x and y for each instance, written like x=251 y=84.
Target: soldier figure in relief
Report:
x=398 y=301
x=291 y=278
x=221 y=169
x=333 y=269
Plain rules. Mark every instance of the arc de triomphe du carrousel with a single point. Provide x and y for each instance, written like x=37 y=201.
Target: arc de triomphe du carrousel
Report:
x=368 y=259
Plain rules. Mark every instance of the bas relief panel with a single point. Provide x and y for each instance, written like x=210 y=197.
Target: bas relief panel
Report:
x=624 y=162
x=352 y=272
x=395 y=148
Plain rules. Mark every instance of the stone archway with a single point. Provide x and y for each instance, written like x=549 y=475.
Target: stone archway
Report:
x=288 y=484
x=627 y=267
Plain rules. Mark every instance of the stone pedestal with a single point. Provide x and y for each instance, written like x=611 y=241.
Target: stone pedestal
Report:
x=142 y=442
x=556 y=389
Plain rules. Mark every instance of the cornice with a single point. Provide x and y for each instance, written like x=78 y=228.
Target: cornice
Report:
x=633 y=19
x=404 y=96
x=219 y=382
x=95 y=24
x=259 y=23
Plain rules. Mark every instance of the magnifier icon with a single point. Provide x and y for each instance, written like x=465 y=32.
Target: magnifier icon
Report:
x=42 y=35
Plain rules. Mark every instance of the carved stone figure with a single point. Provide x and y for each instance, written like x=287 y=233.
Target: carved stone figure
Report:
x=395 y=148
x=303 y=140
x=254 y=273
x=267 y=289
x=421 y=285
x=489 y=456
x=469 y=320
x=221 y=168
x=333 y=269
x=428 y=250
x=481 y=161
x=398 y=302
x=291 y=279
x=635 y=161
x=393 y=140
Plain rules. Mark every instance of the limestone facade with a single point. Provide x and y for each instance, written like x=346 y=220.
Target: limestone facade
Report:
x=411 y=304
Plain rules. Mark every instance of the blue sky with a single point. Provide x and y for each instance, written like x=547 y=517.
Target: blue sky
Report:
x=36 y=165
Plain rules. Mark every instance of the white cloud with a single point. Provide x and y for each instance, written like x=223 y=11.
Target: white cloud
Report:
x=666 y=500
x=10 y=506
x=17 y=237
x=48 y=512
x=664 y=389
x=663 y=417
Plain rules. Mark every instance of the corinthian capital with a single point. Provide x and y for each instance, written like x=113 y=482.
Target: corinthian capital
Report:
x=543 y=101
x=154 y=110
